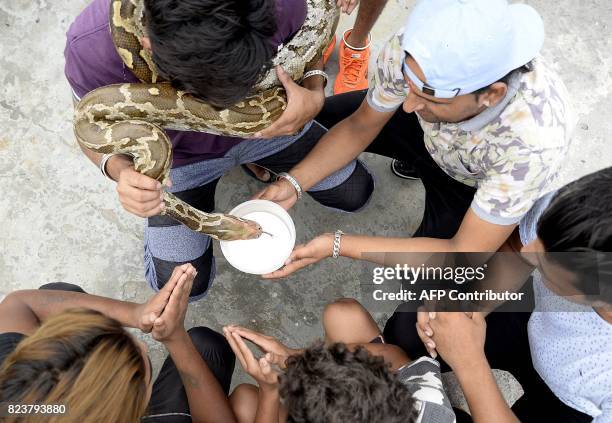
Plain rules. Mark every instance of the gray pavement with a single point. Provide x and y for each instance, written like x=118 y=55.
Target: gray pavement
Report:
x=62 y=222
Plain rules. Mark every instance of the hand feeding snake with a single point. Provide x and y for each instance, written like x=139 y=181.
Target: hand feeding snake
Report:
x=131 y=118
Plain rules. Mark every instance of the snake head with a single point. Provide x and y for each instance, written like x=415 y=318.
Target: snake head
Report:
x=253 y=229
x=240 y=229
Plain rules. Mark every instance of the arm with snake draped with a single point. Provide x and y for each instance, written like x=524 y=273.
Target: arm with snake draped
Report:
x=131 y=118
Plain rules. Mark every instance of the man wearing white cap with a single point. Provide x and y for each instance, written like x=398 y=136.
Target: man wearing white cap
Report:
x=490 y=129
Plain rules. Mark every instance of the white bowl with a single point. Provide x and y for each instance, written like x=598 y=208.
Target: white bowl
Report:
x=265 y=254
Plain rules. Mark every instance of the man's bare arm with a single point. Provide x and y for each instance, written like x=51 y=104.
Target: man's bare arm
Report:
x=342 y=144
x=23 y=311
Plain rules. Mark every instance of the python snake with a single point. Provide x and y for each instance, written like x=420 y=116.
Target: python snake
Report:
x=131 y=118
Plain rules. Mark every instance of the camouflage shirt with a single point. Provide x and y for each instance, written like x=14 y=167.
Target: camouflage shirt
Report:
x=510 y=152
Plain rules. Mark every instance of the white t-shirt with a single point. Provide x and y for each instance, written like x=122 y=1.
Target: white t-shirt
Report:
x=571 y=349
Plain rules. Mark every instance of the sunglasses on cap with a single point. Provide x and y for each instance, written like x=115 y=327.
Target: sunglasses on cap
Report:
x=427 y=89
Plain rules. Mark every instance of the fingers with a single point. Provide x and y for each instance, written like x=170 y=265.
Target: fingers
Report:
x=286 y=123
x=174 y=300
x=140 y=194
x=272 y=192
x=148 y=209
x=271 y=131
x=248 y=356
x=347 y=6
x=276 y=359
x=234 y=346
x=174 y=278
x=255 y=337
x=289 y=269
x=430 y=345
x=285 y=79
x=351 y=6
x=146 y=322
x=138 y=180
x=423 y=318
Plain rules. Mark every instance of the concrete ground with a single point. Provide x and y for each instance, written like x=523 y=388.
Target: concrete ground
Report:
x=62 y=220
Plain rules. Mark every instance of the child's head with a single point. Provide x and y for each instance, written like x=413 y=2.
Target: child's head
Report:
x=336 y=385
x=574 y=244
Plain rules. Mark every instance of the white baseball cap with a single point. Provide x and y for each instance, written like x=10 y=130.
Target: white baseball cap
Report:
x=465 y=45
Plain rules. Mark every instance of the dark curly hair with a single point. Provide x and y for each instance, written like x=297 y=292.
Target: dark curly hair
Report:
x=215 y=50
x=336 y=385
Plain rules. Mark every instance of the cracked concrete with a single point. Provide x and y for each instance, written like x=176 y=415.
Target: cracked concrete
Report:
x=62 y=221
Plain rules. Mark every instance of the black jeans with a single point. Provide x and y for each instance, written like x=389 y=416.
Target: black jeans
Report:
x=168 y=402
x=446 y=200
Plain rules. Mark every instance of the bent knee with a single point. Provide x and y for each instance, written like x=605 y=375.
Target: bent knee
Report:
x=341 y=308
x=244 y=402
x=204 y=265
x=351 y=195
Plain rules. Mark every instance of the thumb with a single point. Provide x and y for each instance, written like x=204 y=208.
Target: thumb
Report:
x=296 y=254
x=274 y=358
x=478 y=317
x=269 y=193
x=285 y=79
x=265 y=365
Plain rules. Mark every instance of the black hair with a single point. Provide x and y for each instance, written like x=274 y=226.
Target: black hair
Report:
x=215 y=50
x=579 y=221
x=336 y=385
x=506 y=78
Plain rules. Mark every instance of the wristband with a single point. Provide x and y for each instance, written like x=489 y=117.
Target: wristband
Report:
x=292 y=181
x=106 y=158
x=337 y=239
x=316 y=72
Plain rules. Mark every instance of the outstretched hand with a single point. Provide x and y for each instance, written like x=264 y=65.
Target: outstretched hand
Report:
x=302 y=106
x=304 y=255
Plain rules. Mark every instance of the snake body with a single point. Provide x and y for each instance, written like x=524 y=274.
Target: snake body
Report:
x=131 y=118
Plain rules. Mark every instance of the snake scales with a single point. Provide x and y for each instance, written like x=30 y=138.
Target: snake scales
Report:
x=131 y=118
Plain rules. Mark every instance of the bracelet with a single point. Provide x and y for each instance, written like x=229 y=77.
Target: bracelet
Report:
x=106 y=158
x=337 y=239
x=316 y=72
x=292 y=181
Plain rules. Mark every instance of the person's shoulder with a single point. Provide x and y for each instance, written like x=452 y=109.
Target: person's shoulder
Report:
x=291 y=15
x=529 y=223
x=388 y=88
x=93 y=20
x=543 y=93
x=92 y=60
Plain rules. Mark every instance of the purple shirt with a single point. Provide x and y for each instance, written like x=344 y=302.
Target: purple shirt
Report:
x=93 y=62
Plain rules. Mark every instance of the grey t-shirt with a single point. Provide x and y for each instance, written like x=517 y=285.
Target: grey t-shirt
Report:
x=423 y=379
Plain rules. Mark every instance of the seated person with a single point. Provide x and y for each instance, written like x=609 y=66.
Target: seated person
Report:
x=216 y=51
x=59 y=345
x=563 y=354
x=352 y=377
